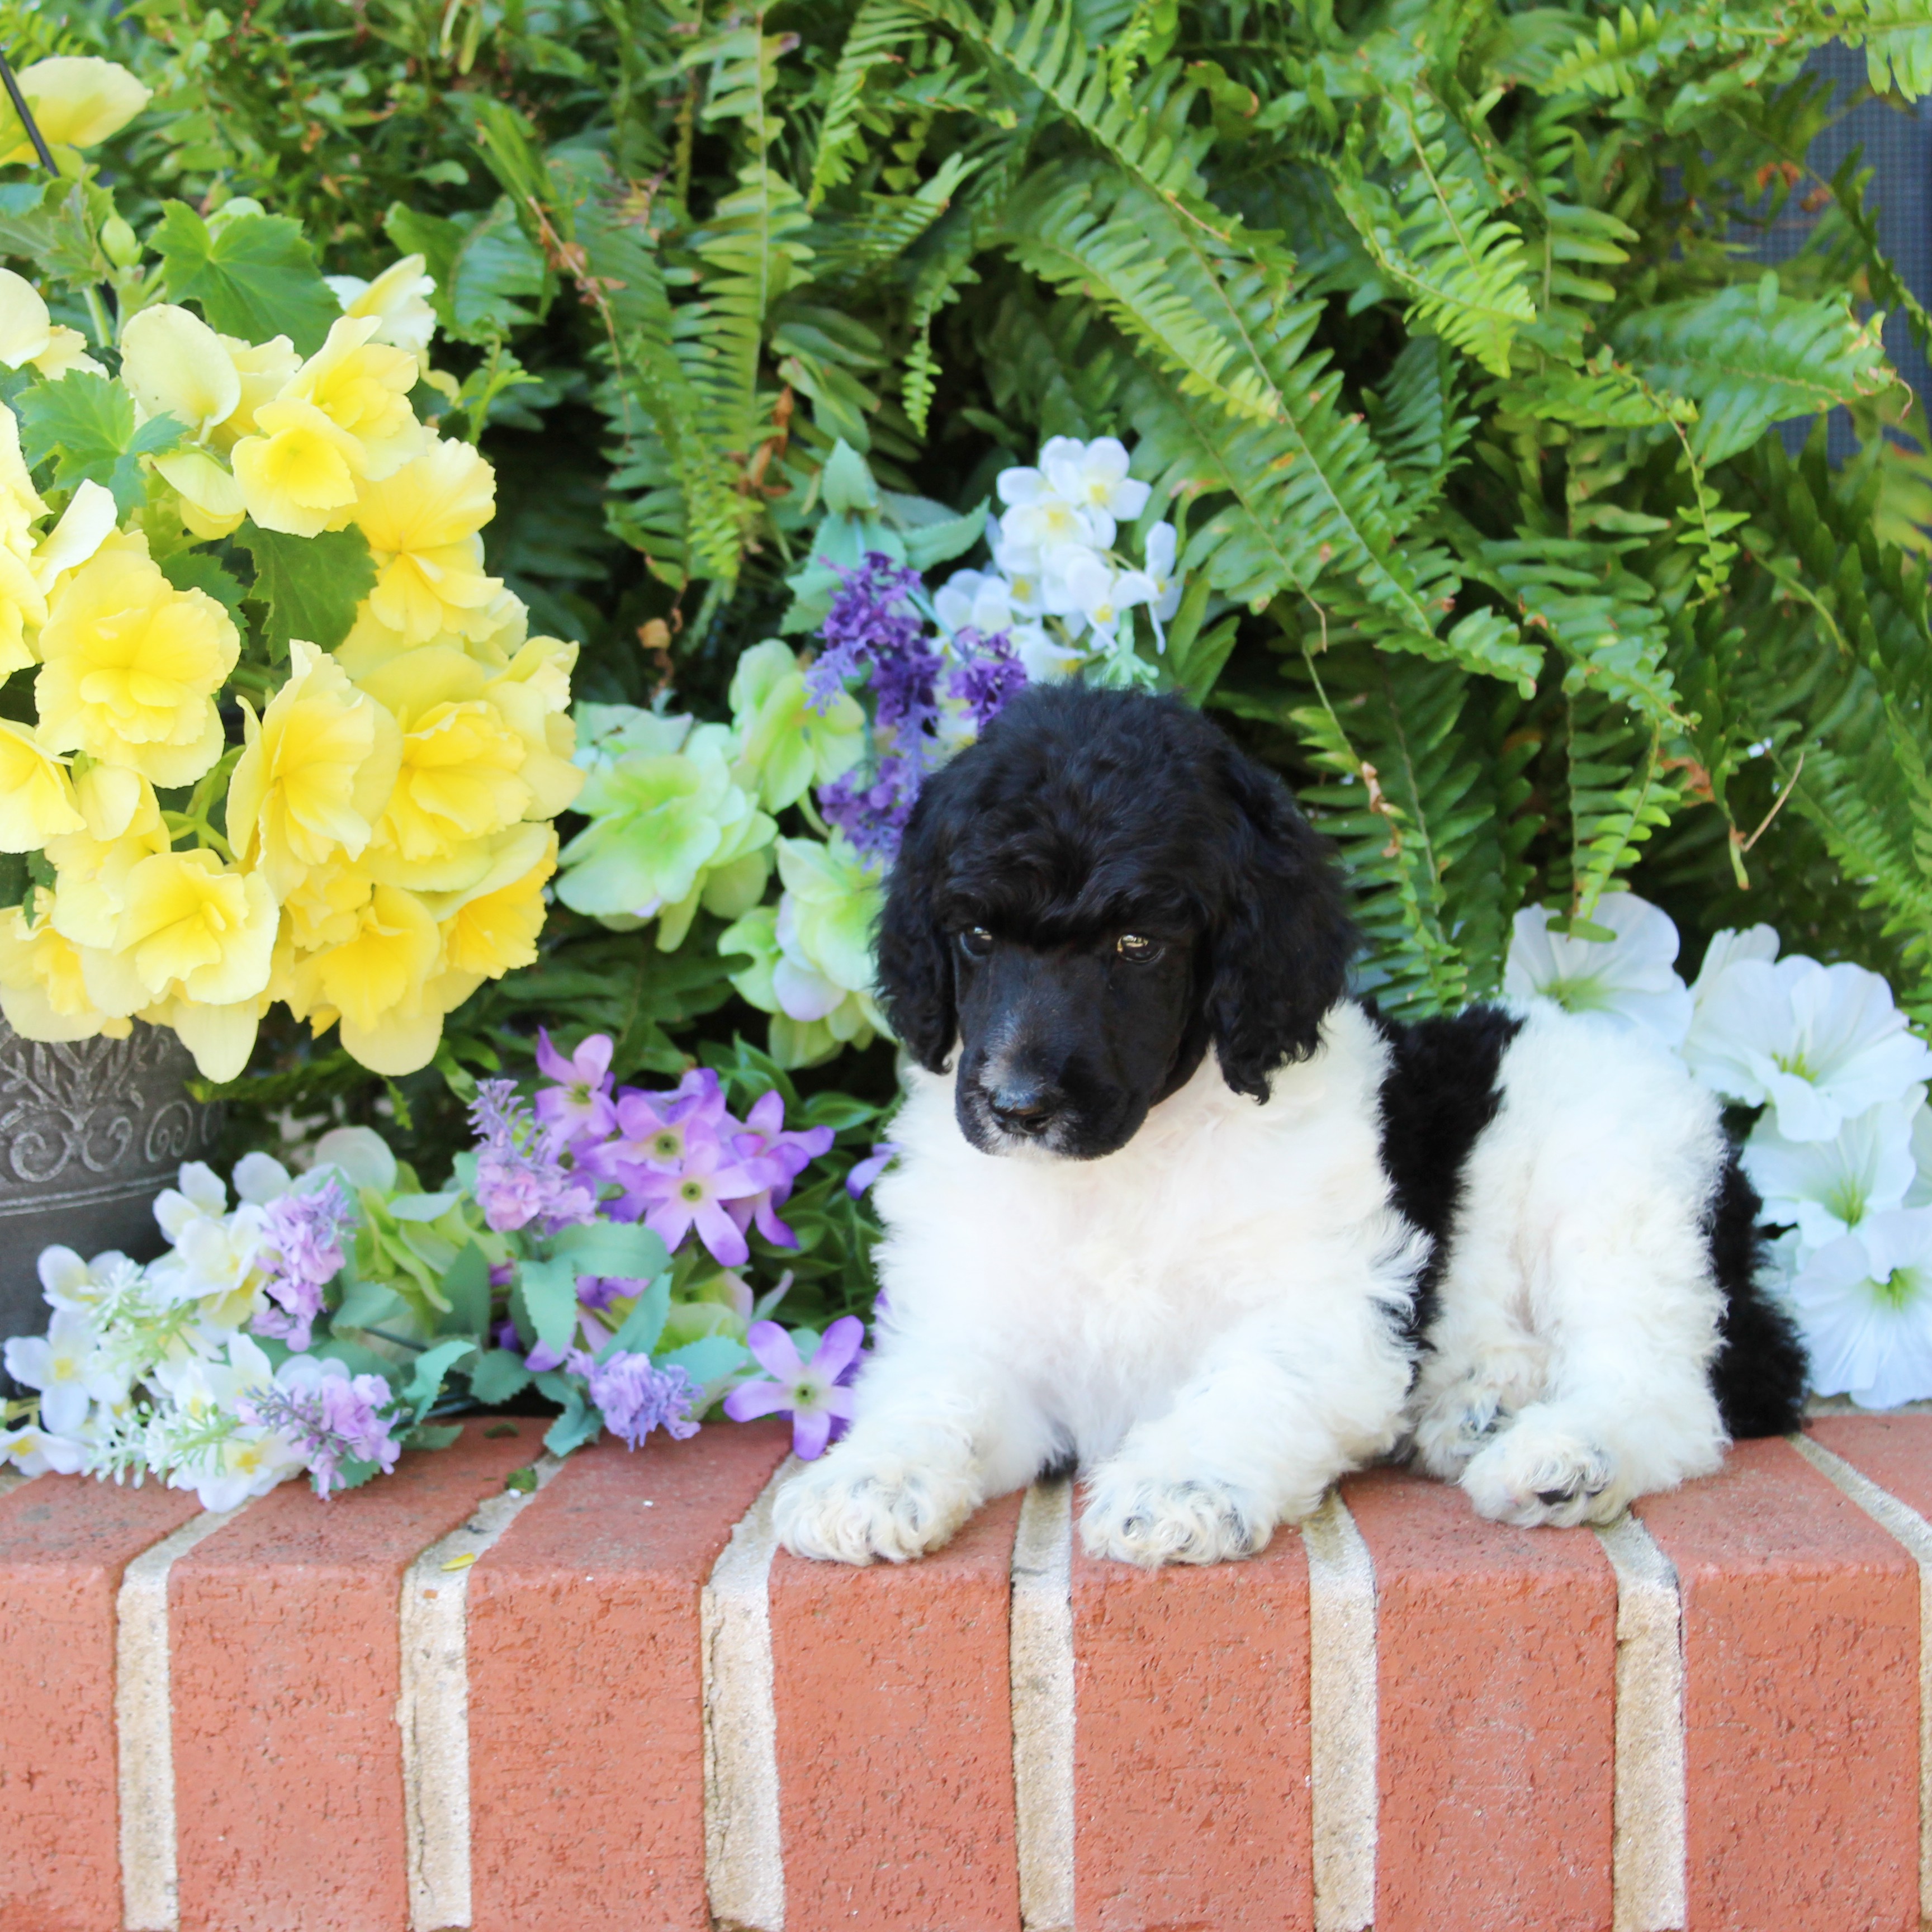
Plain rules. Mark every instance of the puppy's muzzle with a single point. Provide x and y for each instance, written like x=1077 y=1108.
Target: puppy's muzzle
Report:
x=1025 y=1109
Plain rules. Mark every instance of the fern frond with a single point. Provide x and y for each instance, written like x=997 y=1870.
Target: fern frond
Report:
x=879 y=29
x=1417 y=420
x=1621 y=796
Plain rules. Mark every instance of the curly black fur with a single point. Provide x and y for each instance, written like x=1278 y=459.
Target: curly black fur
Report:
x=1759 y=1376
x=1084 y=810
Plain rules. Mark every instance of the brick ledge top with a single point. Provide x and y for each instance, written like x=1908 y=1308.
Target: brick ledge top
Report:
x=435 y=1703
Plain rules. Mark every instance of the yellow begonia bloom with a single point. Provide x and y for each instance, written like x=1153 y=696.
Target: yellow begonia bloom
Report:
x=422 y=525
x=398 y=299
x=264 y=369
x=84 y=526
x=297 y=471
x=131 y=666
x=493 y=928
x=20 y=503
x=363 y=388
x=76 y=102
x=21 y=605
x=175 y=364
x=43 y=991
x=211 y=501
x=37 y=800
x=318 y=769
x=122 y=826
x=383 y=985
x=29 y=335
x=220 y=1035
x=323 y=909
x=189 y=925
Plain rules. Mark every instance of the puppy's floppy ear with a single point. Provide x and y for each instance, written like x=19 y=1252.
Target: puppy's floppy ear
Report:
x=914 y=953
x=1282 y=941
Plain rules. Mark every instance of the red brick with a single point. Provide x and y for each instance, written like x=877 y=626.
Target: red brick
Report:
x=587 y=1727
x=1496 y=1695
x=1191 y=1745
x=64 y=1541
x=1895 y=1451
x=1801 y=1651
x=285 y=1662
x=895 y=1738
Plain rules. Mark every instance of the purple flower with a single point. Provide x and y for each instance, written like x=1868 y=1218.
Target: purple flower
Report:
x=990 y=677
x=865 y=1172
x=653 y=1129
x=520 y=1178
x=329 y=1416
x=634 y=1398
x=302 y=1241
x=813 y=1393
x=869 y=621
x=872 y=813
x=694 y=1197
x=579 y=1108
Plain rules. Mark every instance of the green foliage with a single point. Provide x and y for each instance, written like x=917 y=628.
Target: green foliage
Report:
x=311 y=585
x=253 y=276
x=85 y=426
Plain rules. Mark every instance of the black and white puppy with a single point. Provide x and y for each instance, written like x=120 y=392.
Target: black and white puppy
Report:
x=1519 y=1246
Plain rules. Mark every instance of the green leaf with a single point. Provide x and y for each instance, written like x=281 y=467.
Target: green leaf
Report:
x=311 y=585
x=928 y=543
x=466 y=1285
x=482 y=263
x=620 y=1248
x=708 y=1360
x=431 y=1366
x=643 y=1324
x=549 y=1293
x=845 y=485
x=255 y=277
x=578 y=1424
x=197 y=570
x=498 y=1375
x=84 y=424
x=367 y=1304
x=433 y=1436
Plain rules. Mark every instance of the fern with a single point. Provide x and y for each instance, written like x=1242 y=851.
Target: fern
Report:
x=878 y=31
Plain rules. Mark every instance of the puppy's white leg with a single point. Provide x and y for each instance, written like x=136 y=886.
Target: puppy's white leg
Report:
x=1253 y=1439
x=923 y=1454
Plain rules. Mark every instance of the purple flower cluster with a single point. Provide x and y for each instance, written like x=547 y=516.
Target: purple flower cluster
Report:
x=873 y=634
x=329 y=1416
x=521 y=1177
x=680 y=1161
x=301 y=1244
x=634 y=1398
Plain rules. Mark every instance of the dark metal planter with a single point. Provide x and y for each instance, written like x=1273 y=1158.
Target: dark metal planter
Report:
x=91 y=1131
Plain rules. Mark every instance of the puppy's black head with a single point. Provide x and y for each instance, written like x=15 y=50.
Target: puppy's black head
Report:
x=1089 y=897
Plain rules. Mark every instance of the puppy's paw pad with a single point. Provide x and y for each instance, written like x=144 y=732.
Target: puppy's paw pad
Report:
x=1150 y=1521
x=845 y=1509
x=1542 y=1474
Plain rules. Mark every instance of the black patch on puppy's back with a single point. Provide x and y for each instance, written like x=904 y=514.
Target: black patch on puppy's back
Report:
x=1759 y=1374
x=1440 y=1092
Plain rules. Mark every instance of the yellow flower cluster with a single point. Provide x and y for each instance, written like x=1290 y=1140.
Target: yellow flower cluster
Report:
x=378 y=845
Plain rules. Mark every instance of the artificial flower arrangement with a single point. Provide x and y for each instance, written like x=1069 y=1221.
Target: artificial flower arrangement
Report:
x=288 y=738
x=1840 y=1144
x=684 y=814
x=589 y=1246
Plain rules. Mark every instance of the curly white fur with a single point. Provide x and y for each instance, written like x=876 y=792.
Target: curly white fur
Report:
x=1211 y=1319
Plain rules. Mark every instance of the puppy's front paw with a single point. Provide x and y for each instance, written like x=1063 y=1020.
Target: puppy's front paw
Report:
x=852 y=1507
x=1539 y=1472
x=1139 y=1517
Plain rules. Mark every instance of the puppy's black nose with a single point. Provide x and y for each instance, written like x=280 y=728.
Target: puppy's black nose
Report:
x=1025 y=1110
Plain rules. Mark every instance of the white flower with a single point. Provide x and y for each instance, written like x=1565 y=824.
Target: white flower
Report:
x=1629 y=978
x=1094 y=476
x=1086 y=590
x=1820 y=1044
x=1021 y=568
x=1159 y=552
x=973 y=600
x=1864 y=1304
x=213 y=1256
x=1726 y=949
x=63 y=1366
x=201 y=1196
x=1830 y=1187
x=804 y=991
x=1038 y=516
x=68 y=1282
x=260 y=1178
x=1046 y=657
x=35 y=1451
x=210 y=1451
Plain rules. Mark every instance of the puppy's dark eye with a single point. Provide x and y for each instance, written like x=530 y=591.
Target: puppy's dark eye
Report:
x=975 y=942
x=1131 y=946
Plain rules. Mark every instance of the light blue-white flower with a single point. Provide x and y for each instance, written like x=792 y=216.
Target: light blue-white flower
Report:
x=1818 y=1044
x=1828 y=1188
x=1865 y=1304
x=1628 y=979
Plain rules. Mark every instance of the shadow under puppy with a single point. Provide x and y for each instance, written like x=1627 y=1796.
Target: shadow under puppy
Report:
x=1171 y=1206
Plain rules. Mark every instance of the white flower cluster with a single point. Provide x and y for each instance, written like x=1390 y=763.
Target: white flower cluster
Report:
x=148 y=1368
x=1058 y=586
x=1842 y=1152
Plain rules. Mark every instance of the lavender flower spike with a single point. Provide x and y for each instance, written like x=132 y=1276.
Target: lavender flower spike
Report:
x=520 y=1178
x=634 y=1397
x=302 y=1239
x=328 y=1416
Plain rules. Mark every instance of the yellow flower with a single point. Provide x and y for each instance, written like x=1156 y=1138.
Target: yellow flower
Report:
x=317 y=771
x=323 y=909
x=42 y=991
x=422 y=525
x=377 y=983
x=174 y=364
x=493 y=926
x=131 y=665
x=297 y=471
x=76 y=102
x=264 y=369
x=84 y=525
x=28 y=333
x=212 y=502
x=397 y=299
x=460 y=781
x=122 y=826
x=36 y=794
x=190 y=926
x=363 y=388
x=220 y=1034
x=20 y=503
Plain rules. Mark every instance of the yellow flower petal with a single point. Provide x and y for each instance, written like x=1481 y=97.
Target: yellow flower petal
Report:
x=422 y=523
x=36 y=801
x=397 y=299
x=298 y=470
x=43 y=991
x=363 y=388
x=175 y=365
x=191 y=925
x=25 y=327
x=76 y=102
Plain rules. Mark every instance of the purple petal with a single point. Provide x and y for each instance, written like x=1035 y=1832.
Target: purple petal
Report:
x=549 y=1061
x=719 y=1233
x=750 y=1400
x=810 y=1431
x=775 y=1351
x=838 y=1401
x=843 y=1340
x=767 y=1114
